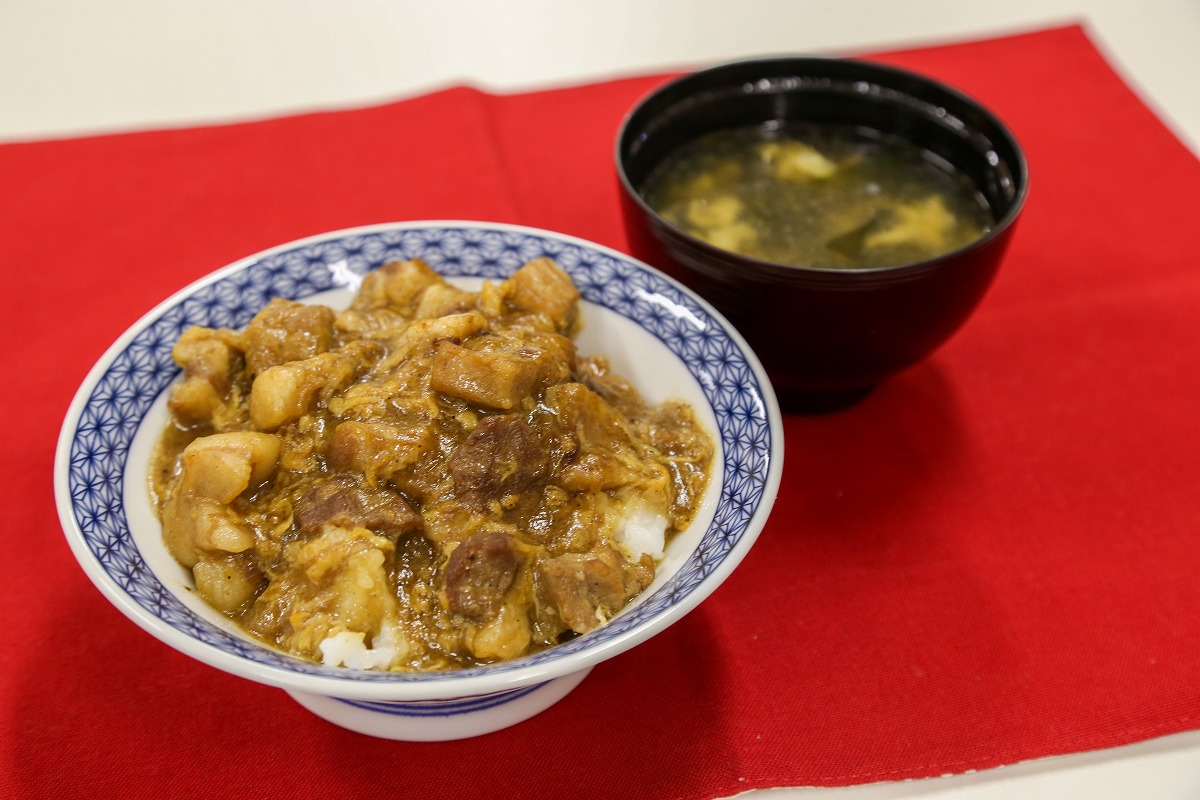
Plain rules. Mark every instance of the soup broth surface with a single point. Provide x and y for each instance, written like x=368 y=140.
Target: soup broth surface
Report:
x=817 y=196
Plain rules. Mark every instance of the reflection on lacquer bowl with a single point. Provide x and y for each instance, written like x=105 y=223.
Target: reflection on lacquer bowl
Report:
x=667 y=341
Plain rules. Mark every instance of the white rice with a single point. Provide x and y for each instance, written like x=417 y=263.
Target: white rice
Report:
x=349 y=649
x=642 y=531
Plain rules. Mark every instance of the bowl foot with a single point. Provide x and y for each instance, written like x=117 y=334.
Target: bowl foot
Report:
x=440 y=720
x=822 y=402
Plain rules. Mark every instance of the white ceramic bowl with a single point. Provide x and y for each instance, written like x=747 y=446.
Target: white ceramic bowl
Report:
x=658 y=334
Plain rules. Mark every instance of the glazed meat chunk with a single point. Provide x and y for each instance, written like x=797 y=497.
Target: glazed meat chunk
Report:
x=345 y=502
x=379 y=450
x=287 y=331
x=503 y=455
x=541 y=287
x=213 y=472
x=479 y=573
x=200 y=526
x=210 y=359
x=441 y=299
x=283 y=393
x=396 y=286
x=602 y=451
x=588 y=588
x=495 y=380
x=433 y=478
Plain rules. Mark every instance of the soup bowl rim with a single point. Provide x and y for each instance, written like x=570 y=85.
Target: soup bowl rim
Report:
x=775 y=270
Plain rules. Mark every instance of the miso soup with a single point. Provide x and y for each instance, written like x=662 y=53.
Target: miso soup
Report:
x=818 y=196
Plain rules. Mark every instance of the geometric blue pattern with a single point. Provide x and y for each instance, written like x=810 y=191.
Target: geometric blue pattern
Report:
x=143 y=369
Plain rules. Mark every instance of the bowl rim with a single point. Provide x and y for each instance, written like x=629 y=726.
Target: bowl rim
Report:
x=410 y=686
x=778 y=270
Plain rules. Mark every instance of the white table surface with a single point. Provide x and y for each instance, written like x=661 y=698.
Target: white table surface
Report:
x=78 y=67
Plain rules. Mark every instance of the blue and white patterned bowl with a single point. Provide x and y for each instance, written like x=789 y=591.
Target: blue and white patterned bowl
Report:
x=657 y=333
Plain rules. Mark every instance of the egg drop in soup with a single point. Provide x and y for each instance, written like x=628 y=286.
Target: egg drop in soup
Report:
x=818 y=196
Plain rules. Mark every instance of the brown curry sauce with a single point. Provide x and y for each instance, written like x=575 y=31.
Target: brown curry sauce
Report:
x=434 y=471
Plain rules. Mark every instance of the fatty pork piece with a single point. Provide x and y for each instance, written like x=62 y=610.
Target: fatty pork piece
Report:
x=508 y=633
x=333 y=601
x=381 y=449
x=210 y=359
x=397 y=285
x=440 y=299
x=672 y=429
x=283 y=393
x=543 y=288
x=500 y=369
x=494 y=380
x=595 y=373
x=201 y=529
x=287 y=331
x=418 y=338
x=554 y=354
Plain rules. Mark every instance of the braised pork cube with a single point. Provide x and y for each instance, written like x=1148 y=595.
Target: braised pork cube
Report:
x=379 y=450
x=496 y=380
x=201 y=528
x=214 y=471
x=453 y=327
x=283 y=393
x=287 y=331
x=440 y=299
x=601 y=448
x=343 y=501
x=542 y=287
x=672 y=429
x=397 y=285
x=589 y=588
x=209 y=359
x=222 y=466
x=502 y=455
x=228 y=581
x=422 y=335
x=552 y=353
x=508 y=633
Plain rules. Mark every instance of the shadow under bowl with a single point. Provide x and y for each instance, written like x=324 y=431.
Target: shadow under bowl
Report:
x=826 y=336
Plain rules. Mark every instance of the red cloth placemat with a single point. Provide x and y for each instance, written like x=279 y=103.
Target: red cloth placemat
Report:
x=993 y=558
